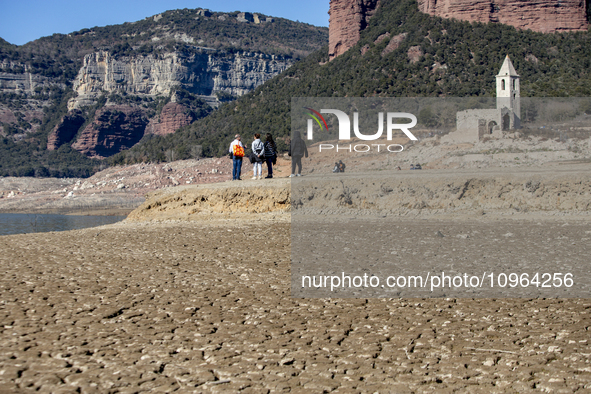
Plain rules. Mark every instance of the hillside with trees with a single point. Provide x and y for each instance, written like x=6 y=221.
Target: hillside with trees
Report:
x=402 y=53
x=28 y=117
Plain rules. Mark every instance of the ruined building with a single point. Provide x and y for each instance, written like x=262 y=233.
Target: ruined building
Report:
x=474 y=124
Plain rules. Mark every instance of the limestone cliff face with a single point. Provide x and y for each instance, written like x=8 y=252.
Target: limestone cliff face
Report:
x=32 y=91
x=347 y=19
x=114 y=128
x=546 y=16
x=203 y=73
x=25 y=83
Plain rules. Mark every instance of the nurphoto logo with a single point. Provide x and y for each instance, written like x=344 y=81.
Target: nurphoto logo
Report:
x=344 y=128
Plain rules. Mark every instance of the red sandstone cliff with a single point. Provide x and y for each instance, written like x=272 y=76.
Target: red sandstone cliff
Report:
x=114 y=128
x=347 y=19
x=65 y=130
x=546 y=16
x=173 y=117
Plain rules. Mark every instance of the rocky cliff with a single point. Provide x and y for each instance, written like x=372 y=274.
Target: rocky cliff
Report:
x=15 y=77
x=173 y=117
x=113 y=129
x=546 y=16
x=349 y=17
x=65 y=130
x=23 y=95
x=203 y=72
x=209 y=56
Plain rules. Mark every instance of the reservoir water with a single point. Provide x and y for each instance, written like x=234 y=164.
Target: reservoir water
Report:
x=20 y=223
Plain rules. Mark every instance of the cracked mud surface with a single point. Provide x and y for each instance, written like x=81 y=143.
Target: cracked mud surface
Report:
x=192 y=307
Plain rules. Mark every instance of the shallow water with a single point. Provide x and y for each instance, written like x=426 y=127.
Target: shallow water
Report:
x=21 y=223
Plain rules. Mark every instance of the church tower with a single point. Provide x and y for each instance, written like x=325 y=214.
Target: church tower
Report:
x=508 y=95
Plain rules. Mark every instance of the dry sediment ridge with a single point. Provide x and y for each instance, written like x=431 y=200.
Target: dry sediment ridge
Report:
x=561 y=190
x=220 y=201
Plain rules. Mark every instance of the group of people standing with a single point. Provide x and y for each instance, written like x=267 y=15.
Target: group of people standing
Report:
x=266 y=152
x=263 y=152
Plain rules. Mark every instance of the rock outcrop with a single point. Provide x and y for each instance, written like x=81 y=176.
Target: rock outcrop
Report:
x=173 y=117
x=65 y=130
x=347 y=19
x=31 y=93
x=24 y=83
x=204 y=73
x=546 y=16
x=114 y=128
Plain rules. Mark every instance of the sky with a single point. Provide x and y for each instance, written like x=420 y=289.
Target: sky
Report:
x=26 y=20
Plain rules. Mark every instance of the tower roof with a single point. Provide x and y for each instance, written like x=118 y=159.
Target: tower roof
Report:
x=507 y=68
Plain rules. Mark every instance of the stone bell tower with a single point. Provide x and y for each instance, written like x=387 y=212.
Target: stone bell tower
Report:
x=508 y=95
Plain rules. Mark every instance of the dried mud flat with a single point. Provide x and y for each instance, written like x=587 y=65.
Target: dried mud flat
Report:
x=206 y=307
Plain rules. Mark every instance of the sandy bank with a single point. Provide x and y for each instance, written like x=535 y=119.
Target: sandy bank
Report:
x=268 y=199
x=535 y=192
x=184 y=297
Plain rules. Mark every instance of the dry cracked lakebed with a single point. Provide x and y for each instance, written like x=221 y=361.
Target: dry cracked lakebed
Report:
x=193 y=307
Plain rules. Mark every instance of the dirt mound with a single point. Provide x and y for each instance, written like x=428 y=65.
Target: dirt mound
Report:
x=224 y=200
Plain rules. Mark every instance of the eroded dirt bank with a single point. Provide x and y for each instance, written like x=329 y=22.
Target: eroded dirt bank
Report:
x=195 y=307
x=557 y=191
x=229 y=200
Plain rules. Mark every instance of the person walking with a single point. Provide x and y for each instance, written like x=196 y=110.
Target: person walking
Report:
x=258 y=149
x=237 y=153
x=270 y=155
x=297 y=150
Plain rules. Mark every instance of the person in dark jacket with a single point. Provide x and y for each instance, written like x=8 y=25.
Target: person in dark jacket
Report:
x=270 y=155
x=297 y=150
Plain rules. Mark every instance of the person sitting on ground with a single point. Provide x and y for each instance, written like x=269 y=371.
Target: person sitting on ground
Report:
x=342 y=166
x=412 y=166
x=418 y=167
x=336 y=167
